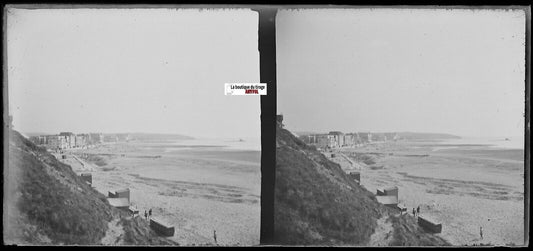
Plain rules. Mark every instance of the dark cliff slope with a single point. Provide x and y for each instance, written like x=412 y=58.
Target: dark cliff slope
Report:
x=45 y=202
x=317 y=203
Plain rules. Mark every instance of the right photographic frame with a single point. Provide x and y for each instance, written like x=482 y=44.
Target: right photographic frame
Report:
x=402 y=127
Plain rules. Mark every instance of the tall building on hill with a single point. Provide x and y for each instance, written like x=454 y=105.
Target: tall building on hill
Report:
x=81 y=140
x=70 y=138
x=279 y=120
x=349 y=139
x=57 y=142
x=337 y=139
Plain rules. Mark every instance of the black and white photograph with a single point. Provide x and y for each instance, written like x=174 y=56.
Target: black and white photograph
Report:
x=119 y=129
x=266 y=125
x=400 y=127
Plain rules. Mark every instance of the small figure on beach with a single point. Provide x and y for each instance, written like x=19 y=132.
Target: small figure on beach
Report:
x=481 y=232
x=215 y=236
x=418 y=210
x=145 y=215
x=150 y=213
x=414 y=212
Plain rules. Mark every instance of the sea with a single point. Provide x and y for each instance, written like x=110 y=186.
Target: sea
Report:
x=492 y=142
x=243 y=144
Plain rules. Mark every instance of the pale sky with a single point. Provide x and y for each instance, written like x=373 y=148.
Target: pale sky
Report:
x=449 y=71
x=133 y=70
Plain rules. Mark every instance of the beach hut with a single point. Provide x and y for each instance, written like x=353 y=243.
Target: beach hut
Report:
x=402 y=208
x=87 y=177
x=133 y=210
x=120 y=203
x=64 y=156
x=389 y=201
x=429 y=224
x=391 y=191
x=122 y=193
x=161 y=227
x=356 y=176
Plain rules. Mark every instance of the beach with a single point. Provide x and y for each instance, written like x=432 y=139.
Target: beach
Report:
x=463 y=185
x=198 y=186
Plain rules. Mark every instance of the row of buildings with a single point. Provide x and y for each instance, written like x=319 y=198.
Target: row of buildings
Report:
x=336 y=139
x=69 y=140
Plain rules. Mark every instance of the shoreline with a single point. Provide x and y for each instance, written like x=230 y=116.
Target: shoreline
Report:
x=196 y=190
x=464 y=188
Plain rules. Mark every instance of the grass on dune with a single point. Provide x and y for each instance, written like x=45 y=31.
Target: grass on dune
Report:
x=310 y=208
x=68 y=214
x=317 y=203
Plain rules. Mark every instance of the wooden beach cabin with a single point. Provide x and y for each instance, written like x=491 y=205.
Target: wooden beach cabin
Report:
x=402 y=208
x=388 y=200
x=122 y=193
x=356 y=176
x=120 y=203
x=161 y=227
x=429 y=224
x=133 y=210
x=87 y=177
x=391 y=191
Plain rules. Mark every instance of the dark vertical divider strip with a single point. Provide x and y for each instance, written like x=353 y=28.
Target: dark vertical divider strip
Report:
x=267 y=64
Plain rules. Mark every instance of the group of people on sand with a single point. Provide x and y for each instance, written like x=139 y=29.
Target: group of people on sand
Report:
x=416 y=212
x=148 y=215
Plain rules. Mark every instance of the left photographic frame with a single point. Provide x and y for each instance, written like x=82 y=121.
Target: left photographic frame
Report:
x=117 y=131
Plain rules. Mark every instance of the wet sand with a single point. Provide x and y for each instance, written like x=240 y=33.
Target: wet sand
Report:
x=464 y=187
x=197 y=189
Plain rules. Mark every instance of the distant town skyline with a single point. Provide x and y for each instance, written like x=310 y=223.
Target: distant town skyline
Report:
x=132 y=70
x=455 y=71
